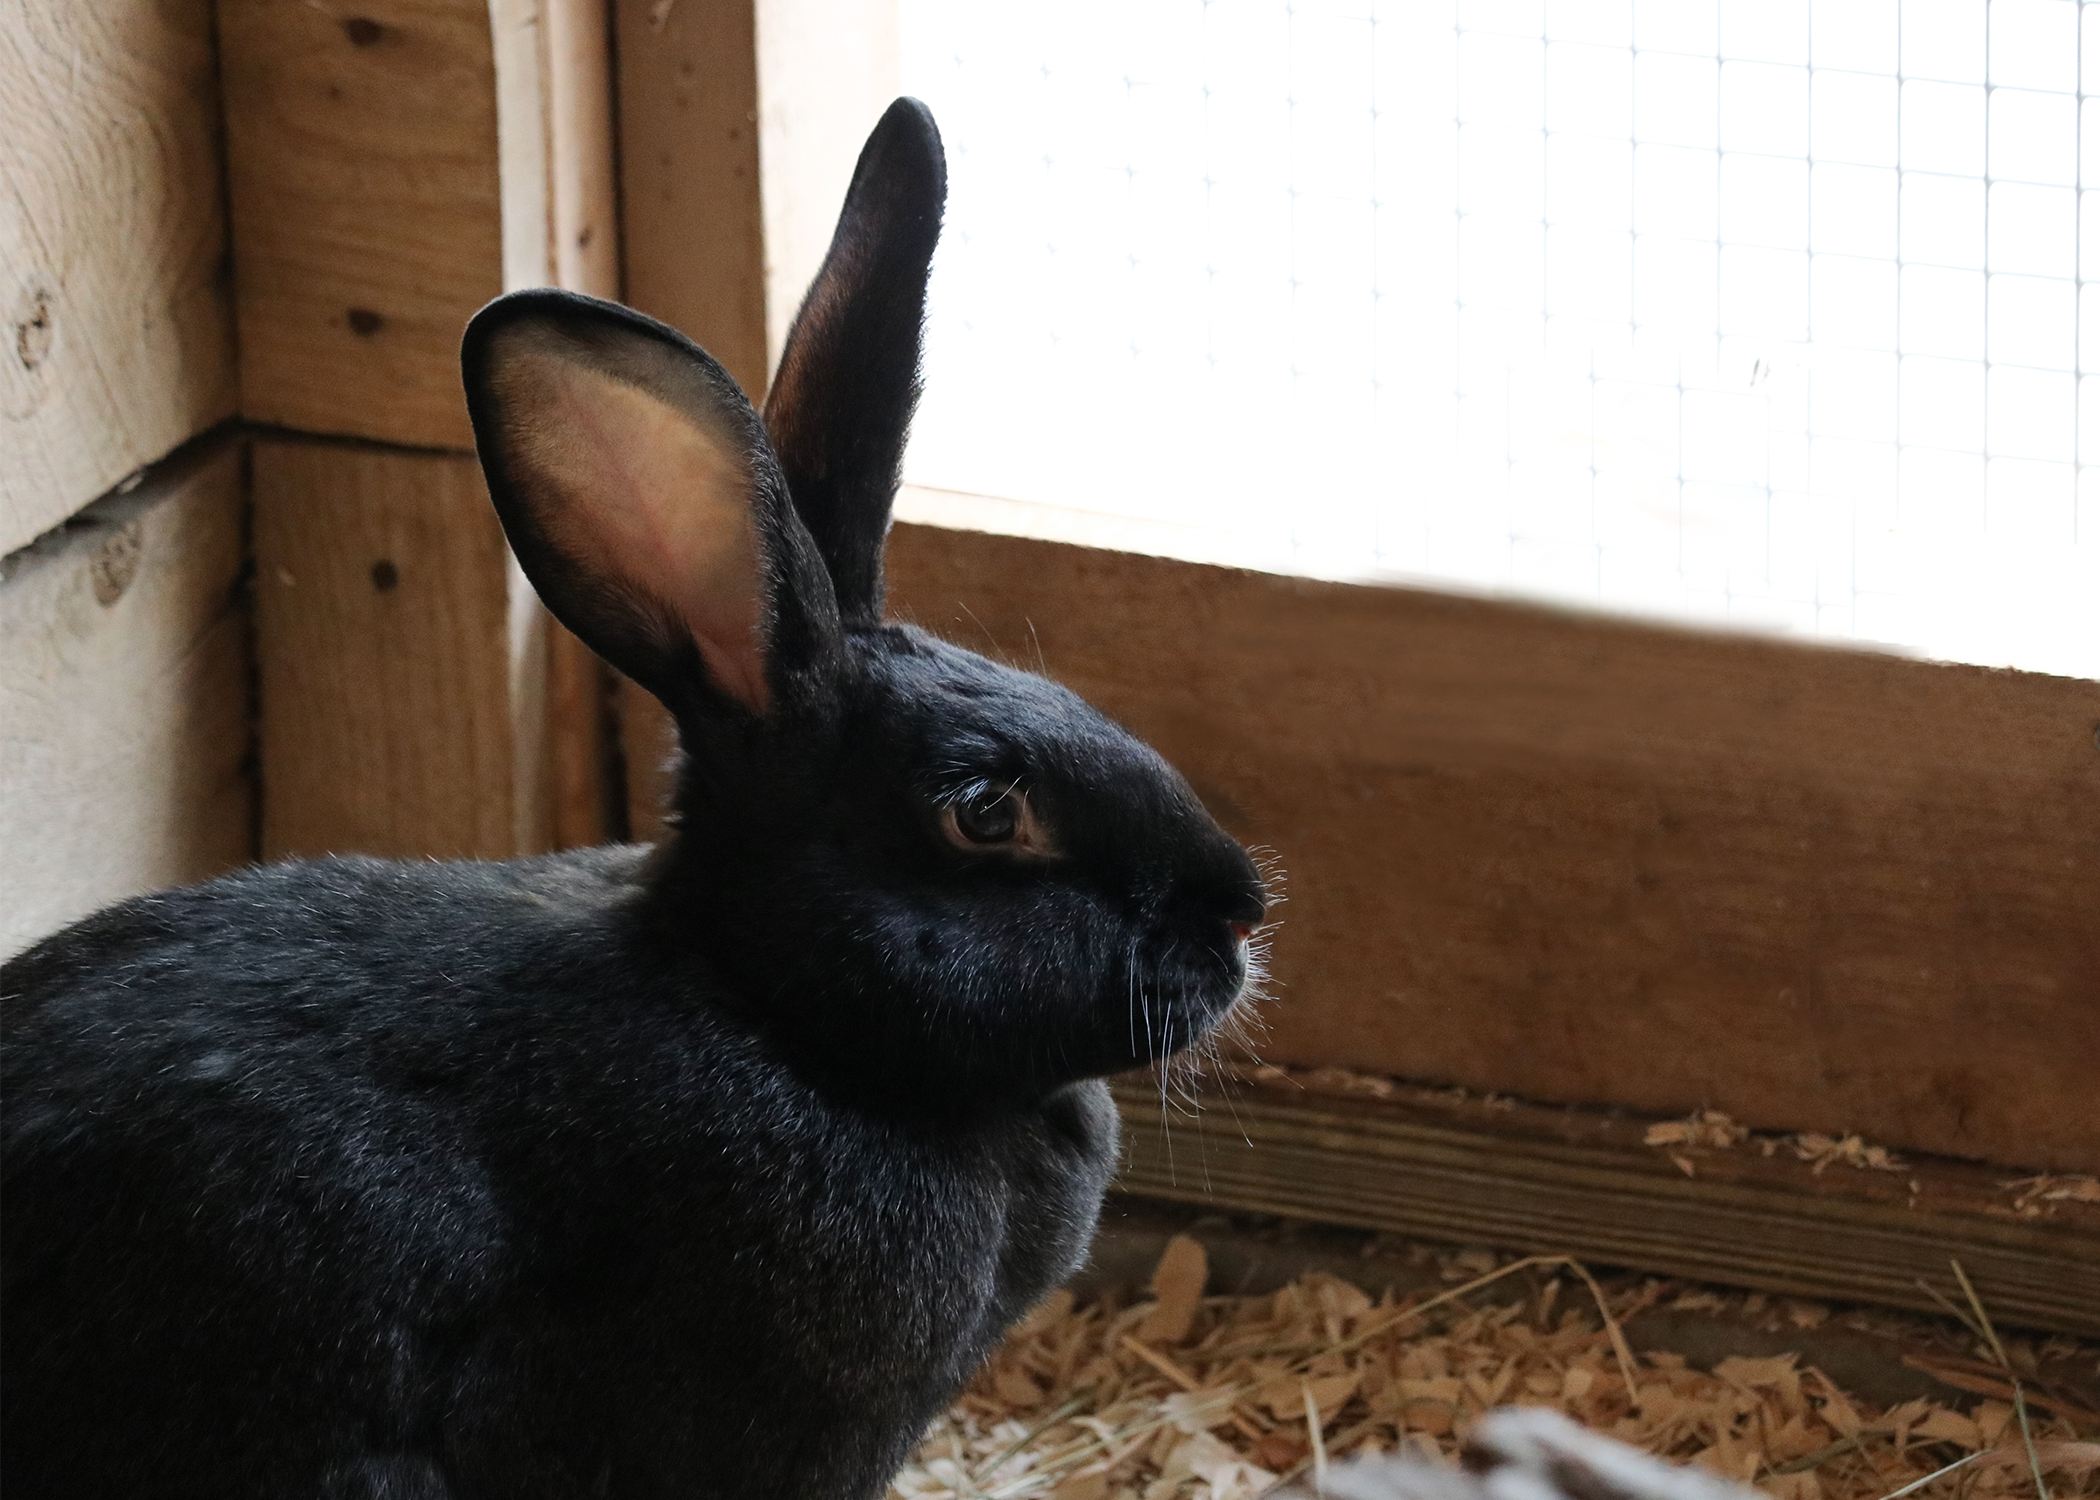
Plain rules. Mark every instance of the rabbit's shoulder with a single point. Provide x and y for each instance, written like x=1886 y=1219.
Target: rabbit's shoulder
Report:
x=294 y=987
x=325 y=923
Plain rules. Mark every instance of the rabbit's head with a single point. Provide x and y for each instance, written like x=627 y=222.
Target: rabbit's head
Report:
x=917 y=867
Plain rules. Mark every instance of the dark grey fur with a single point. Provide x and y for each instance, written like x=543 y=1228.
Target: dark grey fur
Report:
x=706 y=1171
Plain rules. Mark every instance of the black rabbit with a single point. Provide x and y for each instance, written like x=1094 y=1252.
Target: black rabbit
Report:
x=711 y=1170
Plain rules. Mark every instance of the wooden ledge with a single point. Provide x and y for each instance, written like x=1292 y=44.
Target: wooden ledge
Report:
x=1581 y=1183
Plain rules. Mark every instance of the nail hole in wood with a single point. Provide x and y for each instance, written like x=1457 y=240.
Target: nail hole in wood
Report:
x=385 y=575
x=364 y=322
x=363 y=31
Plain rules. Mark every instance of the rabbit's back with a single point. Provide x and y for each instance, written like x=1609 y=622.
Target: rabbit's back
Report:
x=447 y=1171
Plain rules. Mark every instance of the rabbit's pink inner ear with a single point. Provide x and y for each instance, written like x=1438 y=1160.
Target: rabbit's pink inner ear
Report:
x=647 y=500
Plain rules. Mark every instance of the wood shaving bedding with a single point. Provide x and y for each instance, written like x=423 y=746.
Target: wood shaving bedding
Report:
x=2031 y=1193
x=1182 y=1396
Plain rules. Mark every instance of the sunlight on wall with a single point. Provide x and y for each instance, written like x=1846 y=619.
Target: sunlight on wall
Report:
x=1762 y=312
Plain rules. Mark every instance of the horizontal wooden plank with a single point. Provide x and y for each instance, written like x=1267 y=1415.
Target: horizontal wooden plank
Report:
x=389 y=675
x=1579 y=859
x=1377 y=1165
x=125 y=754
x=113 y=273
x=367 y=209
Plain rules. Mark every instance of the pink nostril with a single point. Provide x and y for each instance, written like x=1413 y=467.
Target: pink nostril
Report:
x=1243 y=930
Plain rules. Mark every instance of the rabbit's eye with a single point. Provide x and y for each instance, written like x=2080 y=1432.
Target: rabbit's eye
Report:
x=997 y=817
x=993 y=818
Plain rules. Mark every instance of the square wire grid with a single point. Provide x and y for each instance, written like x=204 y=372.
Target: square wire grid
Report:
x=1758 y=312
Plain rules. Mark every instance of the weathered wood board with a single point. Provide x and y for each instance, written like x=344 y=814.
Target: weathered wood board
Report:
x=363 y=166
x=1575 y=859
x=1560 y=1183
x=393 y=687
x=124 y=725
x=691 y=221
x=113 y=273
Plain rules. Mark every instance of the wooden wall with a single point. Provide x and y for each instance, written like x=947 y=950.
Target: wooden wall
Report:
x=1581 y=860
x=124 y=760
x=382 y=601
x=114 y=278
x=284 y=213
x=362 y=161
x=124 y=724
x=1527 y=852
x=390 y=172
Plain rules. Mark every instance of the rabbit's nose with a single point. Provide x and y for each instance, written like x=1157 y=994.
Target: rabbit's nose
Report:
x=1243 y=907
x=1231 y=889
x=1234 y=902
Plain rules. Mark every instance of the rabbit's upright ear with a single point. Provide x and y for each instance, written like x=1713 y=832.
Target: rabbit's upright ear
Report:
x=841 y=404
x=644 y=503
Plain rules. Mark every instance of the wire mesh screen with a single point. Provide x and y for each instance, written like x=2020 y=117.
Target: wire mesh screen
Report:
x=1760 y=312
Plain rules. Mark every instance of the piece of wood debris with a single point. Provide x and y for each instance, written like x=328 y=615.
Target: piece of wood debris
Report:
x=2031 y=1193
x=1706 y=1127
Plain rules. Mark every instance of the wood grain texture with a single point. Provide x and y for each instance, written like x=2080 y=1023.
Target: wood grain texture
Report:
x=583 y=225
x=584 y=216
x=1402 y=1170
x=367 y=224
x=1575 y=859
x=559 y=228
x=124 y=724
x=692 y=224
x=692 y=243
x=524 y=141
x=118 y=313
x=388 y=681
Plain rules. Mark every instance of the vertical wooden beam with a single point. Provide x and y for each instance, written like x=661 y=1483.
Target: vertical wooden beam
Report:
x=116 y=323
x=585 y=253
x=585 y=191
x=385 y=654
x=124 y=763
x=692 y=244
x=560 y=228
x=710 y=91
x=692 y=225
x=392 y=169
x=362 y=161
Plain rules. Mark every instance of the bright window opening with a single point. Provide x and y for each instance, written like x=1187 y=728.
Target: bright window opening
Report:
x=1769 y=314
